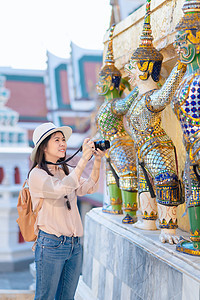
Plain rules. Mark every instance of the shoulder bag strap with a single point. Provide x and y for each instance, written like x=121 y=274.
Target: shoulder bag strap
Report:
x=39 y=206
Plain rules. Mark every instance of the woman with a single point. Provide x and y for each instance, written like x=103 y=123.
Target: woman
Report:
x=58 y=253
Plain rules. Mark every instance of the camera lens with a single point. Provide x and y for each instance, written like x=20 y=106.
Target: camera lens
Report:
x=102 y=145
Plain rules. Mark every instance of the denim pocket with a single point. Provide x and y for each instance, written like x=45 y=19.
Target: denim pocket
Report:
x=38 y=253
x=51 y=243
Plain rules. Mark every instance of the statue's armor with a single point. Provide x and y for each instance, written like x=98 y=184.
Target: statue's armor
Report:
x=186 y=105
x=154 y=148
x=121 y=153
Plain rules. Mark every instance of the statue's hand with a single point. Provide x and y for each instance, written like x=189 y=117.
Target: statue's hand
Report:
x=168 y=236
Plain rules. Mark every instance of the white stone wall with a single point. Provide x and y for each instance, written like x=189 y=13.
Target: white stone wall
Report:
x=125 y=263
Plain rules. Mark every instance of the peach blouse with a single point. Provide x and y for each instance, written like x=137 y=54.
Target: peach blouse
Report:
x=54 y=217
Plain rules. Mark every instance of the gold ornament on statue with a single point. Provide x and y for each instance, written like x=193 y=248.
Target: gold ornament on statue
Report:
x=190 y=20
x=148 y=58
x=109 y=67
x=146 y=50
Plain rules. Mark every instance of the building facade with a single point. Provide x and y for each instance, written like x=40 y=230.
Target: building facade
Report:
x=65 y=94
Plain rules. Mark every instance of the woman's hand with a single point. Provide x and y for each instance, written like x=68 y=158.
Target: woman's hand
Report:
x=98 y=154
x=88 y=148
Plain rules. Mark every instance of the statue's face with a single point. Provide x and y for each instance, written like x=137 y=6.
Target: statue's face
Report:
x=104 y=84
x=133 y=72
x=130 y=70
x=185 y=46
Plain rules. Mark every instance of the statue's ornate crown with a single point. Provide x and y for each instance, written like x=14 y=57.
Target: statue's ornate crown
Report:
x=146 y=50
x=109 y=67
x=191 y=17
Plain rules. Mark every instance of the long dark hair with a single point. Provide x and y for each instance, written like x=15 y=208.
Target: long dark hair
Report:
x=40 y=161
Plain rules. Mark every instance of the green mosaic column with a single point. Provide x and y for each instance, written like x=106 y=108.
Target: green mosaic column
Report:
x=192 y=247
x=129 y=206
x=115 y=206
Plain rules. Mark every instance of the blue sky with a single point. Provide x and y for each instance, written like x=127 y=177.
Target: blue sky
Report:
x=30 y=27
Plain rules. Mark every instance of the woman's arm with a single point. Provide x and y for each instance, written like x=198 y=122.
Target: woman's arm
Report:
x=97 y=165
x=90 y=185
x=88 y=150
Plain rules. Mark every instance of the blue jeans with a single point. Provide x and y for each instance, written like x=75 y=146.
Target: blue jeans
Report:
x=58 y=266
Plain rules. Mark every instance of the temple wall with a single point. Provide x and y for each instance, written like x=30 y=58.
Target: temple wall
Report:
x=164 y=18
x=125 y=263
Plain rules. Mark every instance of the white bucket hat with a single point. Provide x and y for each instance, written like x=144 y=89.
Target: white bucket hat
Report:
x=42 y=131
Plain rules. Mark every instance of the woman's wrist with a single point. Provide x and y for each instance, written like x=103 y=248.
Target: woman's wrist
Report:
x=97 y=159
x=86 y=157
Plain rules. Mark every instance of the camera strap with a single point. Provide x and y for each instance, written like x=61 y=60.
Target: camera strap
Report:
x=66 y=160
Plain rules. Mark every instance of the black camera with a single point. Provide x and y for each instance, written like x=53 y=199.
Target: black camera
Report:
x=102 y=145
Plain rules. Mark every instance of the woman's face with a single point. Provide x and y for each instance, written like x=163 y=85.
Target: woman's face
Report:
x=56 y=147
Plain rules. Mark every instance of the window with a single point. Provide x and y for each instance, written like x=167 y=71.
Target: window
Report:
x=1 y=174
x=17 y=176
